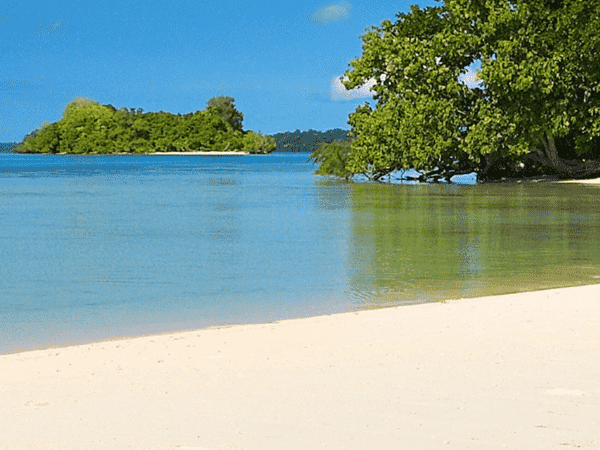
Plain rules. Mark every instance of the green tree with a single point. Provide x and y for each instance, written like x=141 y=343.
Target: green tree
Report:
x=258 y=143
x=78 y=102
x=537 y=109
x=540 y=67
x=333 y=157
x=85 y=127
x=44 y=140
x=225 y=106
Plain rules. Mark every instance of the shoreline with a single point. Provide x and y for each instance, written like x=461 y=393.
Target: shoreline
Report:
x=189 y=153
x=138 y=154
x=126 y=336
x=588 y=181
x=517 y=370
x=166 y=153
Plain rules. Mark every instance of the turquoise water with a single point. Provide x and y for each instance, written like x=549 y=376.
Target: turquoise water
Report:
x=93 y=247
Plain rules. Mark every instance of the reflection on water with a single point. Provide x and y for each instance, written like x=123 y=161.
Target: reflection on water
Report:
x=101 y=246
x=426 y=243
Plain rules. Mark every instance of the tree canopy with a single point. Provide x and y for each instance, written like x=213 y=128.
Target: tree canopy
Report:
x=225 y=107
x=536 y=109
x=89 y=127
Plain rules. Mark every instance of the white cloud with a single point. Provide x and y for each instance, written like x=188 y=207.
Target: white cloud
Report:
x=339 y=93
x=335 y=12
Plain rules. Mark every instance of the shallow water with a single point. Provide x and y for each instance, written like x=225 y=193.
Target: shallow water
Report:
x=93 y=247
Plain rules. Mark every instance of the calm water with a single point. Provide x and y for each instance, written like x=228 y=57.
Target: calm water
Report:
x=99 y=246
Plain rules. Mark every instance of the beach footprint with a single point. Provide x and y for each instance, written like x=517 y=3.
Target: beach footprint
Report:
x=32 y=403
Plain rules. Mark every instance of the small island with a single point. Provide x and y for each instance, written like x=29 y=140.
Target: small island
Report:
x=87 y=127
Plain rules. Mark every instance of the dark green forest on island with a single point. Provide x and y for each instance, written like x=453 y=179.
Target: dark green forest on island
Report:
x=534 y=109
x=7 y=146
x=89 y=127
x=308 y=141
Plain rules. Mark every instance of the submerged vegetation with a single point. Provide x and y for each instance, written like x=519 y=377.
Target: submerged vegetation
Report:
x=534 y=108
x=89 y=127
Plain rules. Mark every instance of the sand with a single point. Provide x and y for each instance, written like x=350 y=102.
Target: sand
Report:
x=588 y=181
x=519 y=371
x=194 y=153
x=168 y=153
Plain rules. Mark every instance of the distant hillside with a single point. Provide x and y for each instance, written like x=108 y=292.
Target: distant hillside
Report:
x=307 y=141
x=7 y=146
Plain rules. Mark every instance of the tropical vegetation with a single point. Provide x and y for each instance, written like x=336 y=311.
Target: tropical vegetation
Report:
x=535 y=109
x=89 y=127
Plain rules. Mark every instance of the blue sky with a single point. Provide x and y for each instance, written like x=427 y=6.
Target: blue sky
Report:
x=279 y=60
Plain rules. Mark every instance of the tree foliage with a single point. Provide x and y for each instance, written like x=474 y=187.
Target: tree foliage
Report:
x=89 y=127
x=225 y=106
x=333 y=157
x=258 y=143
x=535 y=111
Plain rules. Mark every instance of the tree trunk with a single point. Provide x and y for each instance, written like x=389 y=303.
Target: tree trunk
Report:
x=563 y=168
x=551 y=152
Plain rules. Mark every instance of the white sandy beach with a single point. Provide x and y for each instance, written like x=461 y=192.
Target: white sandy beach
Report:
x=519 y=371
x=195 y=153
x=172 y=153
x=588 y=181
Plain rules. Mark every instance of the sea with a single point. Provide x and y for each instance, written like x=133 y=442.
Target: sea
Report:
x=98 y=247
